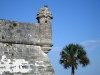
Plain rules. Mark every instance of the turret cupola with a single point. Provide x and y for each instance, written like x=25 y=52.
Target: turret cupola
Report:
x=44 y=15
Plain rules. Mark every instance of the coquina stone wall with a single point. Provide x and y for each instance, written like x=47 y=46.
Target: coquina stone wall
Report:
x=24 y=47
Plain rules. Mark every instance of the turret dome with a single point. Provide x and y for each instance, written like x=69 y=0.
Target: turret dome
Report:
x=44 y=12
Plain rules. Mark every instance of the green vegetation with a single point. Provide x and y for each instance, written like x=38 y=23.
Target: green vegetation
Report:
x=73 y=55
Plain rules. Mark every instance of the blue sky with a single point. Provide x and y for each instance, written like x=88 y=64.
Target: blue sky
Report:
x=75 y=21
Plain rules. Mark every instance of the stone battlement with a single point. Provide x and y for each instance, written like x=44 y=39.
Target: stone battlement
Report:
x=16 y=32
x=23 y=33
x=24 y=46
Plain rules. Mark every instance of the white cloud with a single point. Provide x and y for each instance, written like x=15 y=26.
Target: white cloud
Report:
x=91 y=44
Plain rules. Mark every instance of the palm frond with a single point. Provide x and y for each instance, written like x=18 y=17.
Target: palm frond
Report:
x=73 y=55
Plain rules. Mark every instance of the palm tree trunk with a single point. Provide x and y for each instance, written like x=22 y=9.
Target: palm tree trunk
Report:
x=72 y=73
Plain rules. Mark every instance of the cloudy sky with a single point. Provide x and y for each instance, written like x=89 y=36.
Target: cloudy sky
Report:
x=75 y=21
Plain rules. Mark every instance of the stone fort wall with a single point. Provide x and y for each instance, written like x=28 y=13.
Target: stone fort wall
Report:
x=24 y=47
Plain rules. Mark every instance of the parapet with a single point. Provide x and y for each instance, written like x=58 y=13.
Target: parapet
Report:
x=17 y=32
x=22 y=33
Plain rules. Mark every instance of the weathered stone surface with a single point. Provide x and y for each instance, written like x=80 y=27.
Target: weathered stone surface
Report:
x=15 y=32
x=25 y=33
x=38 y=62
x=24 y=46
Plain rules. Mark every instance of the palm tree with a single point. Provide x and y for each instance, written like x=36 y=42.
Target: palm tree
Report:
x=73 y=55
